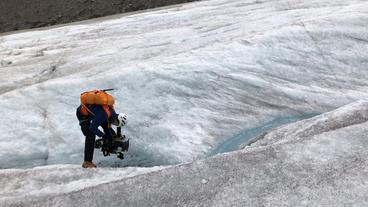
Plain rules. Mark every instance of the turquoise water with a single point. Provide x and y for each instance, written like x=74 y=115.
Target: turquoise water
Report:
x=233 y=143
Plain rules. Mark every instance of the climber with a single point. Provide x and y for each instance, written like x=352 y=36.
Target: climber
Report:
x=97 y=110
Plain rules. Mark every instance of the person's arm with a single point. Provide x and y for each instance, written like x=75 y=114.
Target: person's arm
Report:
x=112 y=131
x=96 y=122
x=109 y=132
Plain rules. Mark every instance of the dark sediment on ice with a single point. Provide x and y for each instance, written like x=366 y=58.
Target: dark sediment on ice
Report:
x=25 y=14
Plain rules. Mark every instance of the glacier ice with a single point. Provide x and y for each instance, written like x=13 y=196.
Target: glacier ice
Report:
x=319 y=161
x=190 y=77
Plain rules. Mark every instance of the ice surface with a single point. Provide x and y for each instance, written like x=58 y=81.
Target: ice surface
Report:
x=54 y=179
x=250 y=135
x=321 y=161
x=190 y=78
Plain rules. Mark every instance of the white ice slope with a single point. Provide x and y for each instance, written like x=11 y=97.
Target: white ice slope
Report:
x=190 y=77
x=56 y=179
x=320 y=161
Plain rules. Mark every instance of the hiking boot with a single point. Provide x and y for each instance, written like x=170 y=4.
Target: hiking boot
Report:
x=88 y=164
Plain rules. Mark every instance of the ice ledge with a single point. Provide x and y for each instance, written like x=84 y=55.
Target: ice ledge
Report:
x=315 y=162
x=351 y=114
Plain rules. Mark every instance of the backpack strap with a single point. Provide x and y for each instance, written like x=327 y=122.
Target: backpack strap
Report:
x=85 y=111
x=108 y=114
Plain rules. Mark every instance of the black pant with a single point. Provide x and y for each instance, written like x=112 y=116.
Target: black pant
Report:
x=89 y=145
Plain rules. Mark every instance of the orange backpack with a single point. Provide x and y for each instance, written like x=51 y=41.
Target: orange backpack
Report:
x=97 y=97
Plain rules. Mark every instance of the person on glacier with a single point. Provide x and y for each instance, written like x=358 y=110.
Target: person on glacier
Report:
x=91 y=117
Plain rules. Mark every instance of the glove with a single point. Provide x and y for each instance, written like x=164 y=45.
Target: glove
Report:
x=106 y=146
x=106 y=149
x=122 y=119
